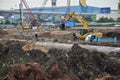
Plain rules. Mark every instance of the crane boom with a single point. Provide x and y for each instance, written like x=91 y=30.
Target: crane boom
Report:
x=30 y=13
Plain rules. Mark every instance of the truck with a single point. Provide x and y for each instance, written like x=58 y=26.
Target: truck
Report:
x=95 y=38
x=85 y=31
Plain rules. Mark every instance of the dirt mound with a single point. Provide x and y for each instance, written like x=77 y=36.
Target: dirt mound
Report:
x=30 y=71
x=1 y=49
x=80 y=64
x=104 y=44
x=76 y=64
x=86 y=64
x=35 y=56
x=114 y=54
x=109 y=78
x=33 y=71
x=113 y=34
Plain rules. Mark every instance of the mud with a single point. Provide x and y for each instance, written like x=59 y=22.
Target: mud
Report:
x=103 y=44
x=113 y=34
x=109 y=78
x=75 y=64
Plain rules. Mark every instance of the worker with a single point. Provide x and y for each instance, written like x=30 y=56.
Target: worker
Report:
x=36 y=36
x=74 y=37
x=21 y=34
x=62 y=26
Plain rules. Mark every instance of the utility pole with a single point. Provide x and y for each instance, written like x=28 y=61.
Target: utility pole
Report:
x=21 y=13
x=53 y=6
x=68 y=7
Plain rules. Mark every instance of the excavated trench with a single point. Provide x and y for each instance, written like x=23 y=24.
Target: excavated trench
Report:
x=77 y=63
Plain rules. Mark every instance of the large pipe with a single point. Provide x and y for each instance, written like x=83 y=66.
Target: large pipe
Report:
x=65 y=46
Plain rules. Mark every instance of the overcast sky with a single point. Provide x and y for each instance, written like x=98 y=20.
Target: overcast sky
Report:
x=9 y=4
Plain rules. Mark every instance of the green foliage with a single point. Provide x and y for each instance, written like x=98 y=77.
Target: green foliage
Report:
x=7 y=22
x=88 y=18
x=5 y=48
x=23 y=60
x=118 y=19
x=15 y=24
x=111 y=20
x=3 y=70
x=102 y=19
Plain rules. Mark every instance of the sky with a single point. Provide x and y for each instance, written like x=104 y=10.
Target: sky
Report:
x=14 y=4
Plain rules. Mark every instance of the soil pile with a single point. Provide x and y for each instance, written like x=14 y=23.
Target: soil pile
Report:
x=76 y=64
x=113 y=34
x=115 y=54
x=87 y=65
x=30 y=71
x=103 y=44
x=33 y=71
x=109 y=78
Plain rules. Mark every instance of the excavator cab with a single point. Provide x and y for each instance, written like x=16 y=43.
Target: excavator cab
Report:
x=83 y=31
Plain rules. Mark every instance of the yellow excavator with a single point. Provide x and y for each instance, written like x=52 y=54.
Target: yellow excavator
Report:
x=85 y=31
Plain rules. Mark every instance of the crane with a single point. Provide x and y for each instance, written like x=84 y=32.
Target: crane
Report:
x=29 y=13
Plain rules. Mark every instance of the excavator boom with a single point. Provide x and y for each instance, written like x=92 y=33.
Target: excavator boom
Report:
x=85 y=31
x=79 y=19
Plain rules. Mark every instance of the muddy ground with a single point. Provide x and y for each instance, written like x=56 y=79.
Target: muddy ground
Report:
x=75 y=64
x=65 y=36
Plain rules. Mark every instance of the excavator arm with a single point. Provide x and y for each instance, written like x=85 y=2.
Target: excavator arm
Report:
x=85 y=31
x=78 y=18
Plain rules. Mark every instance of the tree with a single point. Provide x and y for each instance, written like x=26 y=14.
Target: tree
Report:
x=111 y=20
x=88 y=18
x=118 y=19
x=7 y=22
x=105 y=19
x=102 y=19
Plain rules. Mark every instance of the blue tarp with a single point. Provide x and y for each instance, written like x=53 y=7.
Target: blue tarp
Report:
x=71 y=24
x=68 y=23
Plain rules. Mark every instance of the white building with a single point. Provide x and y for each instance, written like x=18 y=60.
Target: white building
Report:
x=1 y=18
x=112 y=15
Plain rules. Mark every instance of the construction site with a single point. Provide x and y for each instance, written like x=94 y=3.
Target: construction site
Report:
x=59 y=52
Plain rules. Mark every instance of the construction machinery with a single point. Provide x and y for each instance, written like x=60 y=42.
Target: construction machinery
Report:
x=95 y=38
x=85 y=31
x=23 y=22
